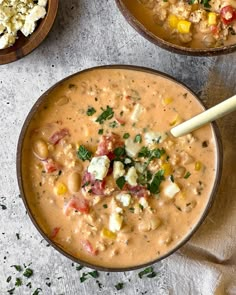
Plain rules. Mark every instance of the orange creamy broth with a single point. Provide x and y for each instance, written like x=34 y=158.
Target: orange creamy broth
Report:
x=157 y=225
x=154 y=16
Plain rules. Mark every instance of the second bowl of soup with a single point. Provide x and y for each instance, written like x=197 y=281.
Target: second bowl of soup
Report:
x=102 y=178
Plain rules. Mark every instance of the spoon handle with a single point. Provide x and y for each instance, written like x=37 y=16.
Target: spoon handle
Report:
x=218 y=111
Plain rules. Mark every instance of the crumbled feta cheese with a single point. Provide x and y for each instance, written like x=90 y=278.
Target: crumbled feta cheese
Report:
x=124 y=198
x=171 y=190
x=18 y=15
x=143 y=202
x=118 y=169
x=99 y=167
x=132 y=148
x=131 y=176
x=115 y=222
x=138 y=110
x=155 y=137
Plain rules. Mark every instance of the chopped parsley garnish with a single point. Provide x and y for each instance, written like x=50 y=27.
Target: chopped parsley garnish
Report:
x=113 y=124
x=105 y=115
x=29 y=285
x=154 y=186
x=36 y=292
x=120 y=182
x=105 y=206
x=90 y=111
x=17 y=236
x=17 y=267
x=120 y=151
x=84 y=154
x=94 y=274
x=18 y=282
x=119 y=286
x=126 y=135
x=141 y=207
x=186 y=176
x=145 y=177
x=206 y=3
x=11 y=292
x=131 y=209
x=3 y=207
x=151 y=154
x=28 y=272
x=172 y=178
x=100 y=131
x=138 y=138
x=146 y=271
x=8 y=279
x=79 y=267
x=144 y=152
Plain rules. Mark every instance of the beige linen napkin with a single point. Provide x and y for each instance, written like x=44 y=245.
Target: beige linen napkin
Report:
x=206 y=265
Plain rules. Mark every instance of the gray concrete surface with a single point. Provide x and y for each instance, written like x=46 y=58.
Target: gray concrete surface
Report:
x=86 y=33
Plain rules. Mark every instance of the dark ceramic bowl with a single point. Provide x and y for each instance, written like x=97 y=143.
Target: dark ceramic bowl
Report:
x=25 y=198
x=25 y=45
x=146 y=33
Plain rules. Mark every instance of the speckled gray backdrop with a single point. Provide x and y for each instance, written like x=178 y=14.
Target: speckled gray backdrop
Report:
x=86 y=33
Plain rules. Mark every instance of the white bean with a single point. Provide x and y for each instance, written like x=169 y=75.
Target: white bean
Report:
x=40 y=149
x=74 y=182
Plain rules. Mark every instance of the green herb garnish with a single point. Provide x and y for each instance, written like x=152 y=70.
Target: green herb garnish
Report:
x=17 y=267
x=94 y=274
x=120 y=151
x=90 y=111
x=144 y=272
x=28 y=272
x=126 y=135
x=105 y=115
x=138 y=138
x=186 y=176
x=120 y=182
x=79 y=267
x=36 y=292
x=100 y=131
x=154 y=186
x=131 y=209
x=172 y=178
x=18 y=282
x=113 y=124
x=105 y=206
x=11 y=292
x=84 y=154
x=8 y=279
x=119 y=286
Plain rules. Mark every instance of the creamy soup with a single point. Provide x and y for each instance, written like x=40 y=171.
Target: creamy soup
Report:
x=193 y=23
x=102 y=175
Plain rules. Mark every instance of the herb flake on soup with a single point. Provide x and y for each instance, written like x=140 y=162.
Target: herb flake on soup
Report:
x=102 y=175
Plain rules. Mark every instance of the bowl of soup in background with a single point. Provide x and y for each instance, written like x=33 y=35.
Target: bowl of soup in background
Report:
x=100 y=175
x=192 y=29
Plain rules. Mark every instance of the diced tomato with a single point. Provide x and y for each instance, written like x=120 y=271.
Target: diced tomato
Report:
x=57 y=136
x=54 y=233
x=215 y=29
x=97 y=187
x=88 y=247
x=108 y=143
x=138 y=190
x=120 y=121
x=79 y=204
x=228 y=14
x=51 y=166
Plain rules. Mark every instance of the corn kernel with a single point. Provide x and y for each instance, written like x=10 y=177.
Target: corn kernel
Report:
x=60 y=189
x=173 y=21
x=212 y=18
x=176 y=120
x=183 y=26
x=167 y=100
x=106 y=233
x=167 y=169
x=198 y=166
